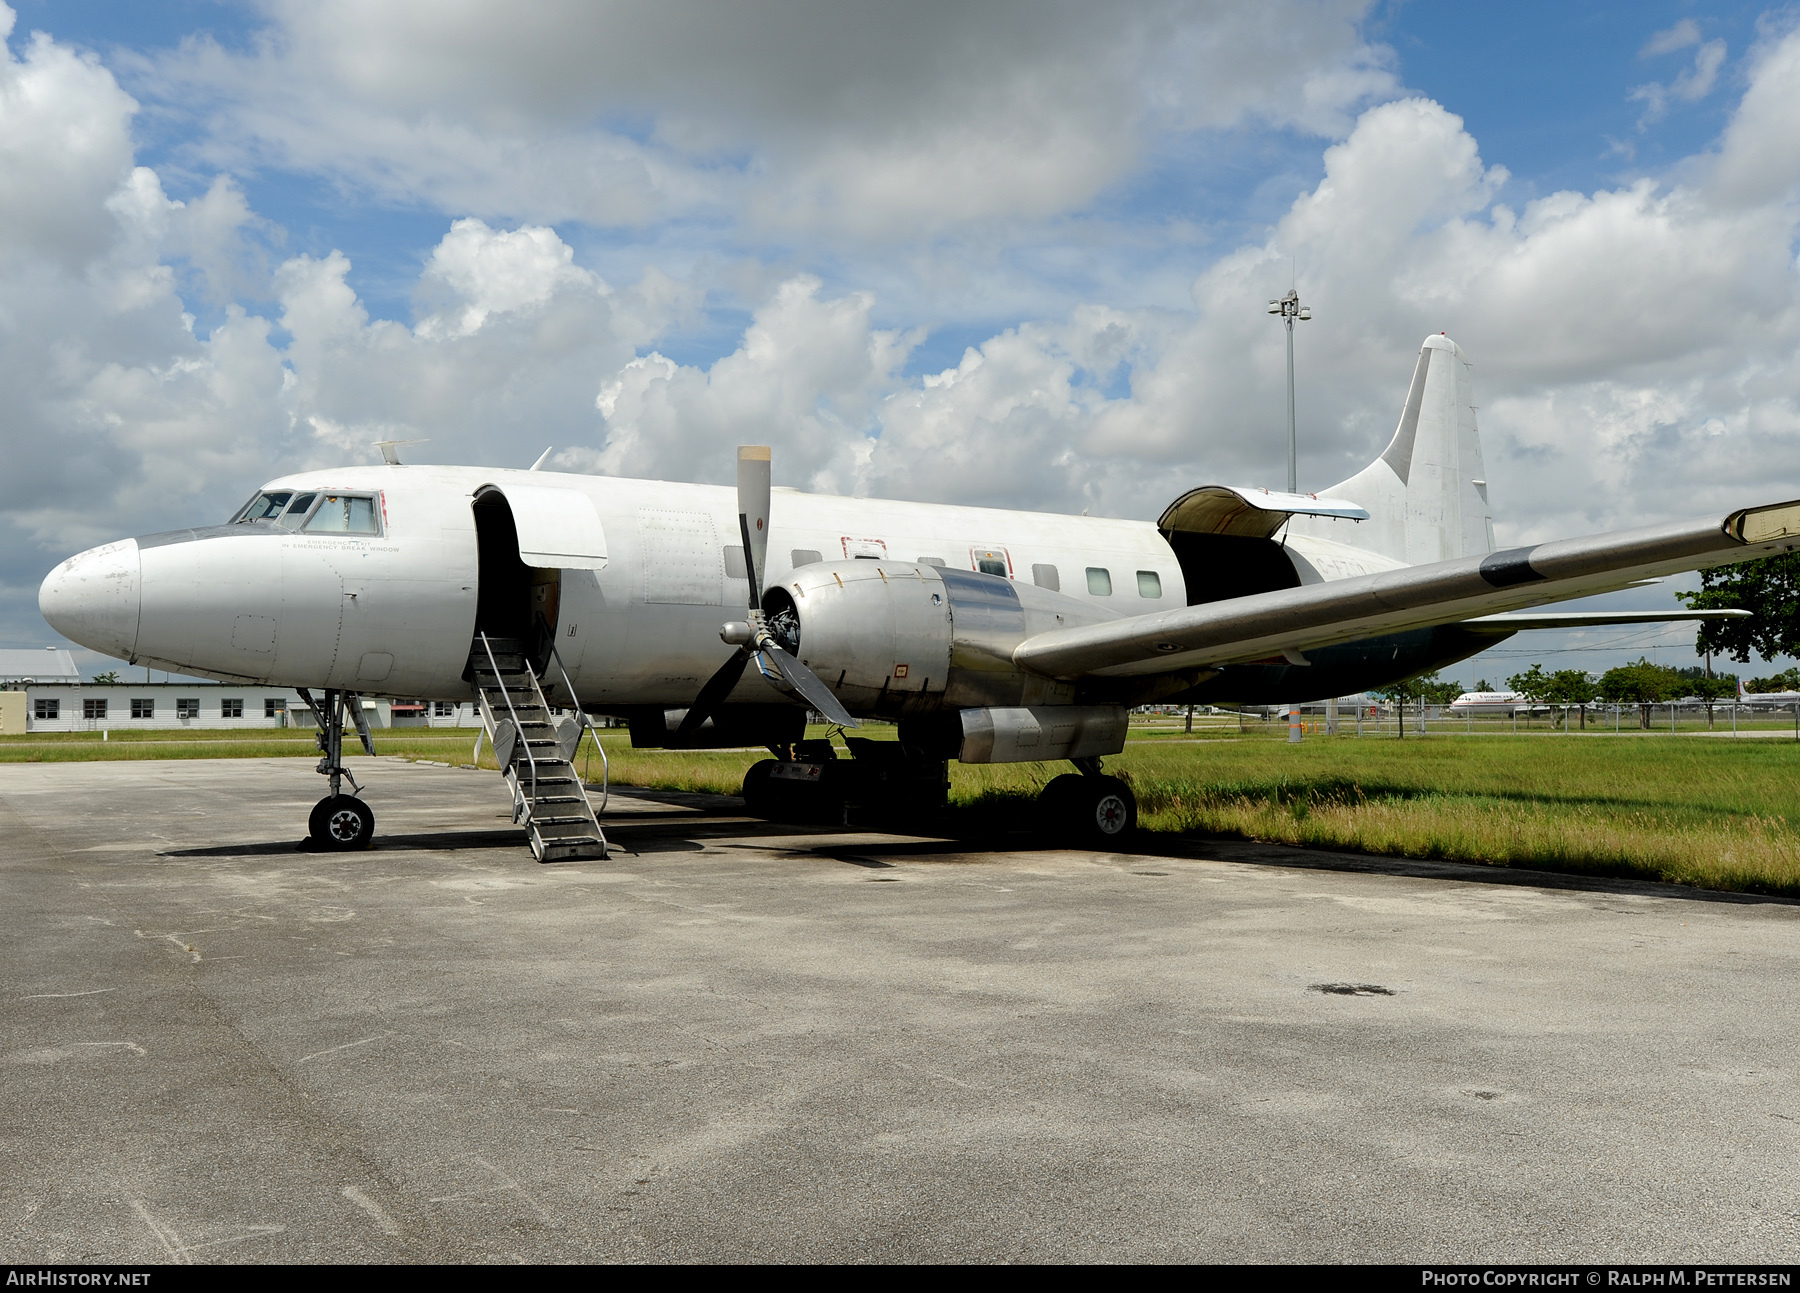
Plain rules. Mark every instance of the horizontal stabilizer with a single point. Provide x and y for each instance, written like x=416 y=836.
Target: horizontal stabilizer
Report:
x=1411 y=597
x=1517 y=621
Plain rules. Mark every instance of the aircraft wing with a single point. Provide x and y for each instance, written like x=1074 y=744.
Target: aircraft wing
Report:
x=1514 y=621
x=1444 y=592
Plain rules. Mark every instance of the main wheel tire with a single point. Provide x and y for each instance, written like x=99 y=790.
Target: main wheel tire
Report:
x=341 y=823
x=1108 y=810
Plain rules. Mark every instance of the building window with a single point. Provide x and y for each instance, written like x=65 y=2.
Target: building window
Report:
x=1046 y=577
x=1099 y=581
x=143 y=708
x=43 y=708
x=93 y=709
x=232 y=707
x=187 y=707
x=1149 y=584
x=445 y=709
x=274 y=706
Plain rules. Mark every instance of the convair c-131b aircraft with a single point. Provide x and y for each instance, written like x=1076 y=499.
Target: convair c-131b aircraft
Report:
x=711 y=618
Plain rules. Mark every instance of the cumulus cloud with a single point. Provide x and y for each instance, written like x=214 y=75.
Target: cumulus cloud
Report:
x=1635 y=345
x=880 y=122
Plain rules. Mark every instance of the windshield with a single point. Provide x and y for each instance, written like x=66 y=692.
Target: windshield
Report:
x=264 y=506
x=296 y=512
x=344 y=514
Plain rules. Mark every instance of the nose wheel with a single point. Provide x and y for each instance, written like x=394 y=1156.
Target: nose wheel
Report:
x=339 y=822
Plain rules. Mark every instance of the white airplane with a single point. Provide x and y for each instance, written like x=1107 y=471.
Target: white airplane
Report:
x=1489 y=702
x=1765 y=697
x=991 y=636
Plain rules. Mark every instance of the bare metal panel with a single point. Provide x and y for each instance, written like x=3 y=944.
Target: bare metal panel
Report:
x=684 y=564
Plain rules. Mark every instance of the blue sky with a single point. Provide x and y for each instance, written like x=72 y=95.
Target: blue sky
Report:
x=1090 y=204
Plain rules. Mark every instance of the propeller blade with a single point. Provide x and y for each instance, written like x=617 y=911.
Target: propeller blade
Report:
x=806 y=682
x=717 y=688
x=753 y=514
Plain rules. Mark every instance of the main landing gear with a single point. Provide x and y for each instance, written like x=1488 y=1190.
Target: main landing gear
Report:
x=1097 y=809
x=339 y=822
x=881 y=785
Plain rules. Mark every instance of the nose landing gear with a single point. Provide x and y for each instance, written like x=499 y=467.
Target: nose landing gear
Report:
x=339 y=823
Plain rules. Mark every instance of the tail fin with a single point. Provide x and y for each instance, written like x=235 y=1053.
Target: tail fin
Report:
x=1427 y=493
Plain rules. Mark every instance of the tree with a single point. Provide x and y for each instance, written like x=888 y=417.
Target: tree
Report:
x=1769 y=589
x=1565 y=687
x=1425 y=688
x=1786 y=680
x=1703 y=685
x=110 y=676
x=1642 y=684
x=1572 y=687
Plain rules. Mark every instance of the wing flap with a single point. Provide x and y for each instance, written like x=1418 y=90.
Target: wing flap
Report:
x=1444 y=592
x=1517 y=621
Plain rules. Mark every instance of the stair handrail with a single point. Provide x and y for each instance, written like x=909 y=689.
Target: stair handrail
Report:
x=587 y=723
x=518 y=727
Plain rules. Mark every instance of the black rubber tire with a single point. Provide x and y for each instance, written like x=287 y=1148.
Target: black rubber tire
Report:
x=341 y=824
x=1101 y=811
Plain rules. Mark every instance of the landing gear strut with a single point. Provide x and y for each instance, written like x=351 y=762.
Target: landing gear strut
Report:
x=1098 y=808
x=339 y=822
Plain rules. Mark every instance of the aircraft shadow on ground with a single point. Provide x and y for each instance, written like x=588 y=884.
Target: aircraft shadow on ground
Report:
x=959 y=837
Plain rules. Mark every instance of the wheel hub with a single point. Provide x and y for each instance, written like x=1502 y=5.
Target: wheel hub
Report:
x=344 y=825
x=1110 y=814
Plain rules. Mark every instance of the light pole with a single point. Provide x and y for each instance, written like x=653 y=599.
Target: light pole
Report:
x=1289 y=308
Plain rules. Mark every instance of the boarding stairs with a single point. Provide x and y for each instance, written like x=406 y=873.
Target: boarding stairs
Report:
x=535 y=753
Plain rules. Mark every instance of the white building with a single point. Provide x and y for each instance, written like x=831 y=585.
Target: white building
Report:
x=95 y=707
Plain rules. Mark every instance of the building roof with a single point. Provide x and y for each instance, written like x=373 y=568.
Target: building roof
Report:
x=49 y=665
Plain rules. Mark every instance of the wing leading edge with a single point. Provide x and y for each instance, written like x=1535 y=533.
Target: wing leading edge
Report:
x=1444 y=592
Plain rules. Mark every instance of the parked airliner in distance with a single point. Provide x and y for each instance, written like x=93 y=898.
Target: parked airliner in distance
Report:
x=709 y=617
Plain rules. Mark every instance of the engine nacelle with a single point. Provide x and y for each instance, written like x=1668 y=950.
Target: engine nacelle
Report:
x=904 y=639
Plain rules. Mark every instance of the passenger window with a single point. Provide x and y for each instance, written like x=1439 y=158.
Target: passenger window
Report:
x=343 y=514
x=265 y=506
x=804 y=557
x=735 y=565
x=1099 y=581
x=1045 y=576
x=931 y=561
x=296 y=512
x=1149 y=584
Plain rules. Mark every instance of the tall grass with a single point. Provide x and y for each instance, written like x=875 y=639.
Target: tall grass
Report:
x=1708 y=812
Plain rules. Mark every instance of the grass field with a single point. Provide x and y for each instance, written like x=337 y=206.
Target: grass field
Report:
x=1690 y=809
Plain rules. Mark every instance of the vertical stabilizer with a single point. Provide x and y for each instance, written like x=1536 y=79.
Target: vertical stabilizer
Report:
x=1427 y=493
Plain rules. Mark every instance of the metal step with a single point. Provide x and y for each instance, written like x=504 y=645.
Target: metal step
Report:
x=548 y=797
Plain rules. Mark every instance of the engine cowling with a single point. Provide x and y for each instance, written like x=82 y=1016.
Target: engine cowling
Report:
x=903 y=639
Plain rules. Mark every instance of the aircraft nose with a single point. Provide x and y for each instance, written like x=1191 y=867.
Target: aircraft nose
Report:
x=94 y=597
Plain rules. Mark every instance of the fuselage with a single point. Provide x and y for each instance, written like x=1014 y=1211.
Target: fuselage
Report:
x=393 y=608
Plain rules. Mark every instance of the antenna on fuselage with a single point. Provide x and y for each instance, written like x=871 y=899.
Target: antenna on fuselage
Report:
x=390 y=449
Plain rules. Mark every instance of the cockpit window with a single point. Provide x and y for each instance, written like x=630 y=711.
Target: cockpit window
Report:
x=344 y=514
x=264 y=506
x=296 y=512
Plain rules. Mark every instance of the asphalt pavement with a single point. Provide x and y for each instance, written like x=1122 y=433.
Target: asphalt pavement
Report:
x=736 y=1041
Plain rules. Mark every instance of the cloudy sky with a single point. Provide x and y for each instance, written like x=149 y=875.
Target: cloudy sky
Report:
x=1001 y=253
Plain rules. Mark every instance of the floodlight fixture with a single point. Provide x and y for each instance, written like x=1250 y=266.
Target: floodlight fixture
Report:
x=1289 y=308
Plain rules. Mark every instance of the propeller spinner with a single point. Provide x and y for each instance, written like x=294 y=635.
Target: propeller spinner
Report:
x=752 y=637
